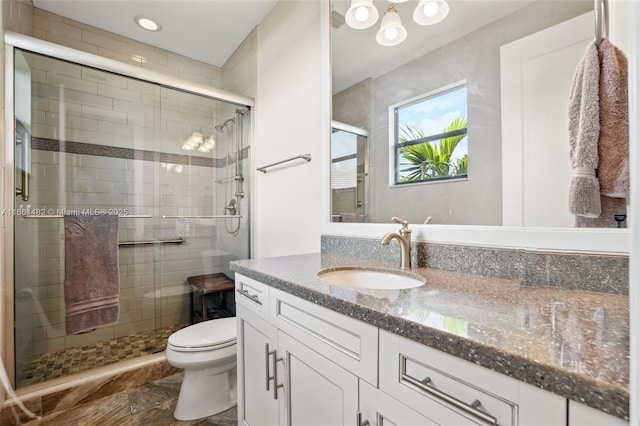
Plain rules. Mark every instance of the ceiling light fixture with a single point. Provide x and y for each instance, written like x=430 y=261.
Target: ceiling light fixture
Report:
x=147 y=23
x=391 y=31
x=362 y=14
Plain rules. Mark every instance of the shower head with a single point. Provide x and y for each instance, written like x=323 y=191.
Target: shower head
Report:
x=220 y=127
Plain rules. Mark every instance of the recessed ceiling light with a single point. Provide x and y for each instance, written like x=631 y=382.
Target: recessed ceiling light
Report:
x=147 y=24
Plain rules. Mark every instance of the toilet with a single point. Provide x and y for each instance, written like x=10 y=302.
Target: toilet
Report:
x=207 y=353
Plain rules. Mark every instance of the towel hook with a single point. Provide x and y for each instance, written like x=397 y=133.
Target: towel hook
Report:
x=601 y=9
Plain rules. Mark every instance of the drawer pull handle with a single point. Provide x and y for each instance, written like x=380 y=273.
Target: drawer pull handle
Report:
x=472 y=408
x=253 y=297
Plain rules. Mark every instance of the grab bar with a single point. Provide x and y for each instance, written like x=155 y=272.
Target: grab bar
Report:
x=178 y=240
x=306 y=157
x=219 y=216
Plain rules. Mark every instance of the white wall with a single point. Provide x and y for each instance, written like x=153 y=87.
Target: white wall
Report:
x=291 y=118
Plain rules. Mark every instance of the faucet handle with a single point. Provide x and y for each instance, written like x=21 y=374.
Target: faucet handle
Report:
x=404 y=223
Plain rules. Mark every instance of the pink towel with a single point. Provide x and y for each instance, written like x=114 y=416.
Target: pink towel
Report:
x=92 y=276
x=599 y=136
x=613 y=144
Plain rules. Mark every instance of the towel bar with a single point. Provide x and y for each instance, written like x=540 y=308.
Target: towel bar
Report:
x=219 y=216
x=601 y=9
x=306 y=157
x=178 y=240
x=59 y=216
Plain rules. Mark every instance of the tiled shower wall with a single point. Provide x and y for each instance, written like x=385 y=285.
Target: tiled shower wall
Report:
x=105 y=110
x=153 y=289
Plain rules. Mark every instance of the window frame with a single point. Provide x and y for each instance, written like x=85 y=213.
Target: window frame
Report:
x=394 y=146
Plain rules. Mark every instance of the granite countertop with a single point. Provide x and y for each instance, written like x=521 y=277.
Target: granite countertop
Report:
x=573 y=343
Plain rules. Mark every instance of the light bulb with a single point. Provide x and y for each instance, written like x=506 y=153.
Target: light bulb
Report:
x=431 y=9
x=429 y=12
x=391 y=33
x=147 y=24
x=362 y=14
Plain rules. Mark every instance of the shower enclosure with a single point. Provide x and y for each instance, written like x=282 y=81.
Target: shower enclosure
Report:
x=171 y=163
x=349 y=173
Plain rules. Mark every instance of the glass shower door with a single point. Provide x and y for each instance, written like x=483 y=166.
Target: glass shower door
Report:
x=82 y=138
x=173 y=165
x=203 y=199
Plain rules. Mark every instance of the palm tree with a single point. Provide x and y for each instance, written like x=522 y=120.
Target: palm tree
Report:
x=429 y=160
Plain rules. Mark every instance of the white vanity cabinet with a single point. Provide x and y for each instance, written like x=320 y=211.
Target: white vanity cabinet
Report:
x=256 y=343
x=331 y=369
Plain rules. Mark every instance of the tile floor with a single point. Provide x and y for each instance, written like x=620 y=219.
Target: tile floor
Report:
x=62 y=363
x=150 y=404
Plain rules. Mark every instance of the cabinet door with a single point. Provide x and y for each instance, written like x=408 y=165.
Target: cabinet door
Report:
x=256 y=339
x=380 y=409
x=582 y=415
x=317 y=391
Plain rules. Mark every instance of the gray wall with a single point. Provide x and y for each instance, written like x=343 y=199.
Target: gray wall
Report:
x=476 y=59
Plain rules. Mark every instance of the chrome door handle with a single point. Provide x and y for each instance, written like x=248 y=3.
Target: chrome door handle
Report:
x=267 y=354
x=253 y=297
x=359 y=419
x=274 y=364
x=21 y=134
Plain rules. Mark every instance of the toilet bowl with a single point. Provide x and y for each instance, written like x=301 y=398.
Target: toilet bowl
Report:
x=207 y=353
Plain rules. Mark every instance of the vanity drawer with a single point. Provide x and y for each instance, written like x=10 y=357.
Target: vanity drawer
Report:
x=444 y=387
x=253 y=295
x=348 y=342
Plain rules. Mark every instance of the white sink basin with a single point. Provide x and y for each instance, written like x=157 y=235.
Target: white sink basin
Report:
x=370 y=278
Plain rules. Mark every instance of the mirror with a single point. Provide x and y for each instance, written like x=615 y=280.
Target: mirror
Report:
x=517 y=152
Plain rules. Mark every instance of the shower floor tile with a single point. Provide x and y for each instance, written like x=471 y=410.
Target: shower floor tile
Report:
x=63 y=363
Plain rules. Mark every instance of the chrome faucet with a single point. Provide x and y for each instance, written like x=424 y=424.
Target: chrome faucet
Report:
x=404 y=238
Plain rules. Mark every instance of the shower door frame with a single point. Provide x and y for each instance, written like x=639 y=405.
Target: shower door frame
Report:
x=34 y=45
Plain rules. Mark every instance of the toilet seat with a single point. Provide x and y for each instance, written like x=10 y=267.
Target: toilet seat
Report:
x=204 y=336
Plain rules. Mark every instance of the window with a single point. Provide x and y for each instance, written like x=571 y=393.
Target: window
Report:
x=430 y=137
